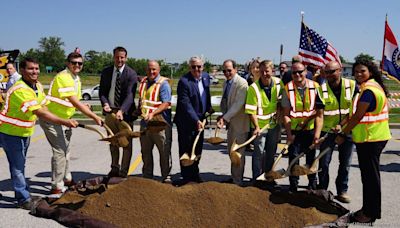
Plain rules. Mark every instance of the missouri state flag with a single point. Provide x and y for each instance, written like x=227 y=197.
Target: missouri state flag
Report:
x=391 y=55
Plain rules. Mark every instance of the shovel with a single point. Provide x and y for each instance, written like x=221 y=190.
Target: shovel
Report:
x=305 y=170
x=91 y=128
x=234 y=154
x=187 y=160
x=269 y=176
x=282 y=173
x=297 y=170
x=215 y=140
x=120 y=139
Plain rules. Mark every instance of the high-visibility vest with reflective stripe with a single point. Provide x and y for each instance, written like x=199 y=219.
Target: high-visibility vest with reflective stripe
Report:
x=149 y=97
x=258 y=103
x=63 y=85
x=333 y=112
x=17 y=117
x=374 y=126
x=301 y=110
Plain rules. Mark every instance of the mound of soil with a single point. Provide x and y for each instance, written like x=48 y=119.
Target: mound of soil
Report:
x=139 y=202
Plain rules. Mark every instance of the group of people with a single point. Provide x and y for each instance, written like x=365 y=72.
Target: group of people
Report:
x=344 y=111
x=348 y=112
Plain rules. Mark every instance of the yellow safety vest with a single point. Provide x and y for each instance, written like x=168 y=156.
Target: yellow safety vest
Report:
x=257 y=102
x=302 y=110
x=374 y=126
x=149 y=97
x=63 y=85
x=17 y=116
x=332 y=112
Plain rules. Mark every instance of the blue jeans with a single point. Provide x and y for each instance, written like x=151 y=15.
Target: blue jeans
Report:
x=16 y=148
x=345 y=154
x=303 y=139
x=264 y=150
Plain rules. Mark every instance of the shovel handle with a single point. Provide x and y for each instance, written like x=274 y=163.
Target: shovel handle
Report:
x=108 y=129
x=216 y=132
x=252 y=137
x=197 y=138
x=283 y=151
x=92 y=129
x=320 y=155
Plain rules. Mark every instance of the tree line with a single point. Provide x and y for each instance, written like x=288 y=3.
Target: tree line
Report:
x=51 y=53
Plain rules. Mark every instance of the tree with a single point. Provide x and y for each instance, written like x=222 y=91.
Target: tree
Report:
x=95 y=61
x=342 y=60
x=31 y=53
x=51 y=52
x=363 y=56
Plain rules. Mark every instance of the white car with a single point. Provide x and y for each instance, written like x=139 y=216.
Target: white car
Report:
x=91 y=93
x=213 y=80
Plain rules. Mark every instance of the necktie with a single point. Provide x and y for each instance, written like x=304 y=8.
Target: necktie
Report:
x=227 y=88
x=117 y=93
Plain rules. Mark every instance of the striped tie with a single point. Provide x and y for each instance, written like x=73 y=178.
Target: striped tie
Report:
x=117 y=93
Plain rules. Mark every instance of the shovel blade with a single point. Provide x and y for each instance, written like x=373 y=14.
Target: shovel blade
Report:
x=272 y=175
x=186 y=160
x=236 y=158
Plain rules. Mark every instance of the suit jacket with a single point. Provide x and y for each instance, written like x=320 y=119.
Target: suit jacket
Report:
x=129 y=81
x=233 y=107
x=189 y=106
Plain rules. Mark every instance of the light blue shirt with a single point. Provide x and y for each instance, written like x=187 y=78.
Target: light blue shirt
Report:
x=12 y=80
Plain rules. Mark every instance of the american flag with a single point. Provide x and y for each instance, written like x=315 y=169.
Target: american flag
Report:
x=315 y=49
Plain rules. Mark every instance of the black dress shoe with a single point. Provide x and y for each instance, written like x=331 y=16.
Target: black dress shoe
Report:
x=360 y=217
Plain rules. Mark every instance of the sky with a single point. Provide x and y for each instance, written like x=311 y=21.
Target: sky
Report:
x=175 y=30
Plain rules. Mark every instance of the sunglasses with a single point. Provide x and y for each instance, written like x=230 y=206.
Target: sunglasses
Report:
x=74 y=63
x=298 y=71
x=228 y=70
x=194 y=67
x=330 y=71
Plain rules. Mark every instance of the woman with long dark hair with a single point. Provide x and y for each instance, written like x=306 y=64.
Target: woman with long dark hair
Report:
x=369 y=125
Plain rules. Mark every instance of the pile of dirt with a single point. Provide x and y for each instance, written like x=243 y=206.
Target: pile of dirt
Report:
x=139 y=202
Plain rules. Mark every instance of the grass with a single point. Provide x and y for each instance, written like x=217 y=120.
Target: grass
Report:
x=87 y=80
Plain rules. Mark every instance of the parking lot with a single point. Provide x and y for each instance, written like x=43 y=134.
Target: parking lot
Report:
x=91 y=158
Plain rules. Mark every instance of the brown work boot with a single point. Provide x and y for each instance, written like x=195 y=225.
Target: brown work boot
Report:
x=344 y=197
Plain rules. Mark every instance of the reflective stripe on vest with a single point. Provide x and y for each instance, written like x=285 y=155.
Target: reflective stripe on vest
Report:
x=370 y=117
x=150 y=105
x=374 y=126
x=325 y=93
x=16 y=122
x=66 y=89
x=292 y=98
x=9 y=92
x=27 y=104
x=260 y=113
x=57 y=100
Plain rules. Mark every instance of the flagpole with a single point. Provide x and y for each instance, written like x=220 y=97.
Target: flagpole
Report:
x=280 y=57
x=384 y=44
x=301 y=25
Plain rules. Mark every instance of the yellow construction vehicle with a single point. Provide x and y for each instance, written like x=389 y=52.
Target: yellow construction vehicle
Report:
x=6 y=57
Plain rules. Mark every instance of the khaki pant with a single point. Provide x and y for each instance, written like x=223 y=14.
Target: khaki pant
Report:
x=59 y=138
x=237 y=171
x=162 y=140
x=127 y=151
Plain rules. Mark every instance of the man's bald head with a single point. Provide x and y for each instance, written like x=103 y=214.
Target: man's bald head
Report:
x=152 y=69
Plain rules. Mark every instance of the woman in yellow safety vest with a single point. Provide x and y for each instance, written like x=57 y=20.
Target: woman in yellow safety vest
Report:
x=369 y=125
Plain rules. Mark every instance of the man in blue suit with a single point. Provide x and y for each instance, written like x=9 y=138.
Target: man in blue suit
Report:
x=193 y=103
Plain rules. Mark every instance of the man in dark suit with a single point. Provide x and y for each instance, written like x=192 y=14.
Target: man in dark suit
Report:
x=193 y=102
x=117 y=93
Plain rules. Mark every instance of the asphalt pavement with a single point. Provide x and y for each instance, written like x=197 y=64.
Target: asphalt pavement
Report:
x=91 y=158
